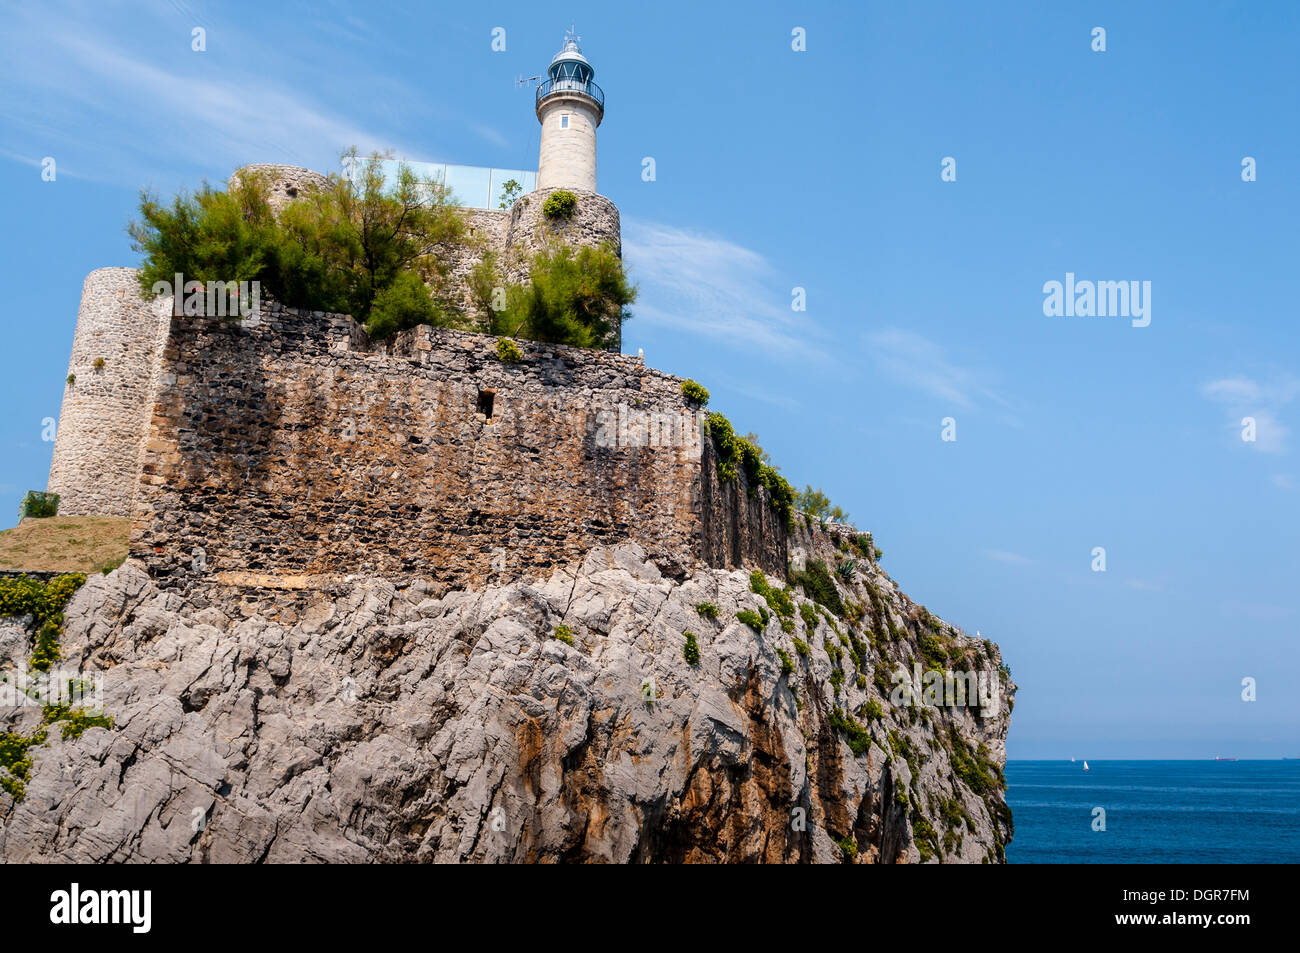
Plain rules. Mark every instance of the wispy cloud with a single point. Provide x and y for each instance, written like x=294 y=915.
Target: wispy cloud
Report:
x=710 y=286
x=107 y=112
x=1002 y=556
x=1284 y=481
x=1263 y=402
x=917 y=361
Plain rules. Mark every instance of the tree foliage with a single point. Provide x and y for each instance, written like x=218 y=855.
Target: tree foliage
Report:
x=573 y=296
x=362 y=246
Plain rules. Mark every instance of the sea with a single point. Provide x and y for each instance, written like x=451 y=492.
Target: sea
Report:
x=1156 y=812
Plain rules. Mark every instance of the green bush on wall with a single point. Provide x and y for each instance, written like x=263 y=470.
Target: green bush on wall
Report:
x=38 y=503
x=508 y=351
x=560 y=204
x=695 y=393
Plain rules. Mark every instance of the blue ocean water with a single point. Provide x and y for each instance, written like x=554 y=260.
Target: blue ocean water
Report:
x=1157 y=812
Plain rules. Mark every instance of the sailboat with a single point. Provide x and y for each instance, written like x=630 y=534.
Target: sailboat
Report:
x=1071 y=761
x=1085 y=766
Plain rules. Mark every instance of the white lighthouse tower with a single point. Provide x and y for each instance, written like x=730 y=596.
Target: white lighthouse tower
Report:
x=570 y=107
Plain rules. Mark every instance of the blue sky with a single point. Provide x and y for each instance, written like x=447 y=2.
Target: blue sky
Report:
x=821 y=169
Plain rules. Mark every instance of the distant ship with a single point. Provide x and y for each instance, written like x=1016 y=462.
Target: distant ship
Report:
x=1085 y=766
x=1072 y=760
x=1225 y=759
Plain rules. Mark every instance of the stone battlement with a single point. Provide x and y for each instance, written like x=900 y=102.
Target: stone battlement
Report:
x=288 y=446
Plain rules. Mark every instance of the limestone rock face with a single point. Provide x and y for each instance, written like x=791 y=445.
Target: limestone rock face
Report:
x=389 y=723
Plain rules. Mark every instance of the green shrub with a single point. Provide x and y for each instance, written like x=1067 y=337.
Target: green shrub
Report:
x=560 y=204
x=571 y=297
x=39 y=504
x=691 y=651
x=927 y=840
x=564 y=634
x=858 y=738
x=816 y=581
x=695 y=393
x=508 y=351
x=23 y=595
x=777 y=599
x=402 y=304
x=98 y=364
x=72 y=378
x=707 y=609
x=46 y=652
x=74 y=721
x=814 y=503
x=787 y=663
x=849 y=848
x=809 y=616
x=847 y=570
x=16 y=762
x=751 y=619
x=364 y=248
x=801 y=647
x=873 y=711
x=735 y=451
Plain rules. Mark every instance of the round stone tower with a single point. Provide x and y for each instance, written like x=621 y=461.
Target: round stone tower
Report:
x=284 y=183
x=570 y=107
x=108 y=397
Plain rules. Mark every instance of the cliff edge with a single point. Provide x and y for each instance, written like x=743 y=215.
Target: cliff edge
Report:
x=558 y=719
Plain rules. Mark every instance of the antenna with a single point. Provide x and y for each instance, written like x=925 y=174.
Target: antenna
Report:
x=522 y=80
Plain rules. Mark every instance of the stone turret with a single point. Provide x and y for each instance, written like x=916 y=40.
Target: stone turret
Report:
x=285 y=183
x=107 y=402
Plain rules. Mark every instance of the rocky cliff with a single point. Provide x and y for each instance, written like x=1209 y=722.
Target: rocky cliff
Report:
x=559 y=719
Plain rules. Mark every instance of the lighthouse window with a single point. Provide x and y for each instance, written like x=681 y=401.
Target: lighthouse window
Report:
x=564 y=122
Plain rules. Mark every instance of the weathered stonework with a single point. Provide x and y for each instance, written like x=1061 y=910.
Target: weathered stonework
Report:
x=285 y=183
x=106 y=409
x=288 y=446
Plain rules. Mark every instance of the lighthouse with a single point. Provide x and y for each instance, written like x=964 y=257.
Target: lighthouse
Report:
x=569 y=106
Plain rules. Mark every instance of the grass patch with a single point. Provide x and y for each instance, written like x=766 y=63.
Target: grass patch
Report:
x=66 y=544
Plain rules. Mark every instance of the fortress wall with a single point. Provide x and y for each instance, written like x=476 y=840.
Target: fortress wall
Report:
x=286 y=447
x=739 y=528
x=106 y=411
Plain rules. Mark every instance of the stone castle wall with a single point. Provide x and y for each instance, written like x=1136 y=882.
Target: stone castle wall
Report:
x=106 y=410
x=287 y=448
